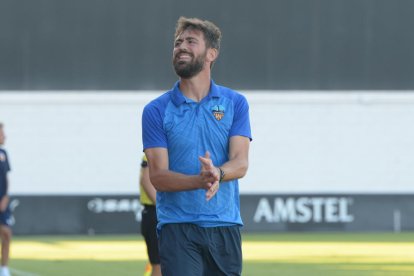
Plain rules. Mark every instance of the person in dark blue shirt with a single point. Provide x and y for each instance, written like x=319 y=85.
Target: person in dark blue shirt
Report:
x=5 y=213
x=196 y=138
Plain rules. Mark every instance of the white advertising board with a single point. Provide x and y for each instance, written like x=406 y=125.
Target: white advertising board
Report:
x=303 y=142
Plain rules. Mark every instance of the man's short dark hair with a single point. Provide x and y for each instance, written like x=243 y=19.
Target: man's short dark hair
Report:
x=212 y=34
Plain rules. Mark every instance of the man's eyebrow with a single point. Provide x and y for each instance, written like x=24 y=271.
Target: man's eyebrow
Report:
x=191 y=37
x=186 y=38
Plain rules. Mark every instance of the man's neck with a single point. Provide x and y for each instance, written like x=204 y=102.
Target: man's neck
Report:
x=197 y=87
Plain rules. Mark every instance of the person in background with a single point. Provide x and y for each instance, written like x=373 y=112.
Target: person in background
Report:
x=149 y=220
x=196 y=138
x=5 y=213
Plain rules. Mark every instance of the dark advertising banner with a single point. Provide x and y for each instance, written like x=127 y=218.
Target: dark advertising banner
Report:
x=343 y=212
x=76 y=214
x=261 y=213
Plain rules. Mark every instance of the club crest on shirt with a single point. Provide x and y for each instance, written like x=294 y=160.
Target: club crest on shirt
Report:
x=218 y=112
x=2 y=157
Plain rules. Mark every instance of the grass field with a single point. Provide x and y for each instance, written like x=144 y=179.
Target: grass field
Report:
x=263 y=254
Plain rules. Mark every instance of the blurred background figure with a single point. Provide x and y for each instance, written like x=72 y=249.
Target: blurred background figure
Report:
x=5 y=213
x=149 y=220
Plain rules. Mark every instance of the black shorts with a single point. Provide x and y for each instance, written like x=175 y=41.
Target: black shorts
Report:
x=149 y=231
x=187 y=249
x=6 y=217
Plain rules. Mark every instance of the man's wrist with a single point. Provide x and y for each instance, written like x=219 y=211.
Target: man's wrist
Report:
x=221 y=174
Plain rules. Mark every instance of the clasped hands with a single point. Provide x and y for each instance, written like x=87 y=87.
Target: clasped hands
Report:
x=210 y=176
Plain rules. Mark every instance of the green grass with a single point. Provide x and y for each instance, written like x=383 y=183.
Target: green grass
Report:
x=263 y=254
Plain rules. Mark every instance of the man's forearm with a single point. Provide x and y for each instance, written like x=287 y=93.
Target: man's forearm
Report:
x=168 y=181
x=234 y=169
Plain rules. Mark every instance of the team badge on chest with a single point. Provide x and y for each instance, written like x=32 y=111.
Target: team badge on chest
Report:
x=218 y=112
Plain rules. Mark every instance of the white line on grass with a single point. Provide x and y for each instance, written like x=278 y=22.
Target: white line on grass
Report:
x=22 y=273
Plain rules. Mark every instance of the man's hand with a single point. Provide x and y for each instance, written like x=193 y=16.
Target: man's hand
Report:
x=4 y=202
x=209 y=175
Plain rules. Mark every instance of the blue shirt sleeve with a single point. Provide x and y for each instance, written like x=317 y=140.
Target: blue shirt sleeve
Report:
x=153 y=134
x=7 y=163
x=241 y=119
x=4 y=159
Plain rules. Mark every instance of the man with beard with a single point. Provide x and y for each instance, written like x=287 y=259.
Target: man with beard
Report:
x=196 y=138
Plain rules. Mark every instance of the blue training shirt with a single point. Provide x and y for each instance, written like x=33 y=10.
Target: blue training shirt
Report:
x=188 y=129
x=4 y=169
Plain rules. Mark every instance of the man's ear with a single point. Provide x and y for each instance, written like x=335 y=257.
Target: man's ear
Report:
x=212 y=54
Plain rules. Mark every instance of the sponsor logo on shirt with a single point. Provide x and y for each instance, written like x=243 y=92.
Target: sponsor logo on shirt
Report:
x=218 y=112
x=2 y=157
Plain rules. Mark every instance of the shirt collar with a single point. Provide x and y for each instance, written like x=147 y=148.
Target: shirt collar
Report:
x=178 y=97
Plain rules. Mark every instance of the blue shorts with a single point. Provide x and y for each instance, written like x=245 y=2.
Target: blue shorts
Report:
x=6 y=217
x=188 y=249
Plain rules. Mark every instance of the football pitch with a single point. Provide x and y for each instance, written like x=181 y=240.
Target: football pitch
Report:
x=263 y=254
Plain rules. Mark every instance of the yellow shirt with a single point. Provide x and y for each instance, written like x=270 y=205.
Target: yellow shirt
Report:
x=143 y=197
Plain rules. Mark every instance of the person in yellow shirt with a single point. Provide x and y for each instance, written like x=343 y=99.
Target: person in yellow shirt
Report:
x=149 y=219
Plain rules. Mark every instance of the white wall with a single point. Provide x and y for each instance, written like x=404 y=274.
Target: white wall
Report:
x=350 y=142
x=303 y=142
x=73 y=143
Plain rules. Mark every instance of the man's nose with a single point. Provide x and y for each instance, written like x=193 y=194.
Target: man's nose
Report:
x=183 y=46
